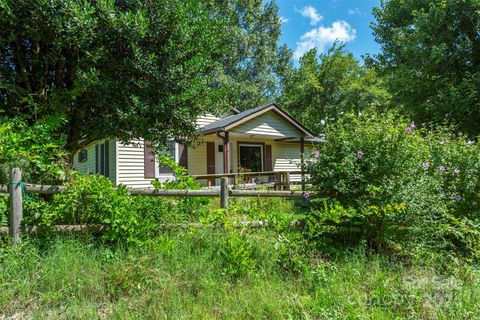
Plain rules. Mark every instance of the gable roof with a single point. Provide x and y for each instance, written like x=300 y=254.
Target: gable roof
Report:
x=232 y=121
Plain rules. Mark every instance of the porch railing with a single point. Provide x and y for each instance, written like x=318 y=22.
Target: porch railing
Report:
x=280 y=179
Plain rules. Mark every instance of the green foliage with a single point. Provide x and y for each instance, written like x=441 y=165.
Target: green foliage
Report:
x=137 y=69
x=33 y=147
x=325 y=86
x=254 y=63
x=430 y=55
x=119 y=69
x=397 y=185
x=237 y=254
x=180 y=275
x=181 y=179
x=94 y=200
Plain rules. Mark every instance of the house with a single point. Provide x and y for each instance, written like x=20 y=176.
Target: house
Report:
x=256 y=140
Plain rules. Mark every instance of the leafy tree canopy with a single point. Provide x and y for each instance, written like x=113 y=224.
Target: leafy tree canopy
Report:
x=431 y=55
x=123 y=69
x=132 y=69
x=255 y=63
x=325 y=86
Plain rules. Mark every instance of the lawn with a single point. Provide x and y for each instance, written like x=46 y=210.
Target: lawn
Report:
x=223 y=274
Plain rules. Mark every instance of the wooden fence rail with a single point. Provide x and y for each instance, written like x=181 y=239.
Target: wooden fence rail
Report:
x=281 y=179
x=17 y=187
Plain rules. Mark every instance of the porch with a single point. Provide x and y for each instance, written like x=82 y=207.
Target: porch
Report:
x=240 y=146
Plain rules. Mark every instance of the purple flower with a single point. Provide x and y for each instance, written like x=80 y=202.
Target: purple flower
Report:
x=316 y=154
x=426 y=165
x=360 y=154
x=441 y=168
x=408 y=129
x=442 y=142
x=306 y=195
x=470 y=142
x=457 y=198
x=412 y=125
x=456 y=171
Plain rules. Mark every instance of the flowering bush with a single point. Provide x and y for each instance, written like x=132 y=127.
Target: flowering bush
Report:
x=376 y=165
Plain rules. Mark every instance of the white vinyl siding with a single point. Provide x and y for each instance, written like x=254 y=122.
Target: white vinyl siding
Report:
x=131 y=165
x=202 y=121
x=286 y=157
x=268 y=124
x=197 y=157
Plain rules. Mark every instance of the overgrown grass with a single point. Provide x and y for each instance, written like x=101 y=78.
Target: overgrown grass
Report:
x=223 y=274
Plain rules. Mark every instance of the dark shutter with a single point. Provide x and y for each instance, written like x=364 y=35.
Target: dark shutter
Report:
x=183 y=154
x=268 y=158
x=210 y=158
x=97 y=160
x=148 y=160
x=107 y=158
x=102 y=159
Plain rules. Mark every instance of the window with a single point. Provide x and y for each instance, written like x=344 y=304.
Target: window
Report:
x=170 y=150
x=102 y=158
x=83 y=155
x=250 y=157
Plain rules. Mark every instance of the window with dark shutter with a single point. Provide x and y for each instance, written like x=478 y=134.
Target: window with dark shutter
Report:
x=170 y=151
x=82 y=155
x=102 y=158
x=97 y=159
x=106 y=171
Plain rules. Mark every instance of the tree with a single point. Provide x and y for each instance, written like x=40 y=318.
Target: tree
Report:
x=430 y=54
x=123 y=69
x=254 y=64
x=325 y=86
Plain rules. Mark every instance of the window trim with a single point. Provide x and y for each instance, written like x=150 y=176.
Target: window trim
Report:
x=176 y=157
x=261 y=145
x=82 y=156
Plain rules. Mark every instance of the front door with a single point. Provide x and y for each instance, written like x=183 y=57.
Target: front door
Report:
x=250 y=157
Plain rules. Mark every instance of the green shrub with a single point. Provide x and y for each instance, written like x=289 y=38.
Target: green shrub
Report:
x=396 y=185
x=33 y=146
x=236 y=254
x=93 y=199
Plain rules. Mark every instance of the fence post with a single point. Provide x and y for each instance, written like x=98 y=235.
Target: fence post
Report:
x=16 y=209
x=287 y=180
x=224 y=192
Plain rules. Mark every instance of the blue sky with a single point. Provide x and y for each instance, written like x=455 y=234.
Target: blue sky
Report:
x=317 y=23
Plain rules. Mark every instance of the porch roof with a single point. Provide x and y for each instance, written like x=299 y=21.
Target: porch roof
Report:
x=232 y=121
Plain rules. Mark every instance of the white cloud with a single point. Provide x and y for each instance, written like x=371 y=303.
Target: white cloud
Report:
x=310 y=12
x=283 y=20
x=355 y=11
x=322 y=36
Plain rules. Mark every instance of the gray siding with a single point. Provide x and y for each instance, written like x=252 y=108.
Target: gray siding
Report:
x=89 y=167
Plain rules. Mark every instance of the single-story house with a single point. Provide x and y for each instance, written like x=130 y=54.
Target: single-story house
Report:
x=256 y=140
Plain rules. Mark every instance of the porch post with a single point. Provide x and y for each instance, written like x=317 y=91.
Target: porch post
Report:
x=226 y=153
x=302 y=161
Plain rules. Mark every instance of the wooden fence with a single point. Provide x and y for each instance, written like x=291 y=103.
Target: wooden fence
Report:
x=281 y=179
x=17 y=187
